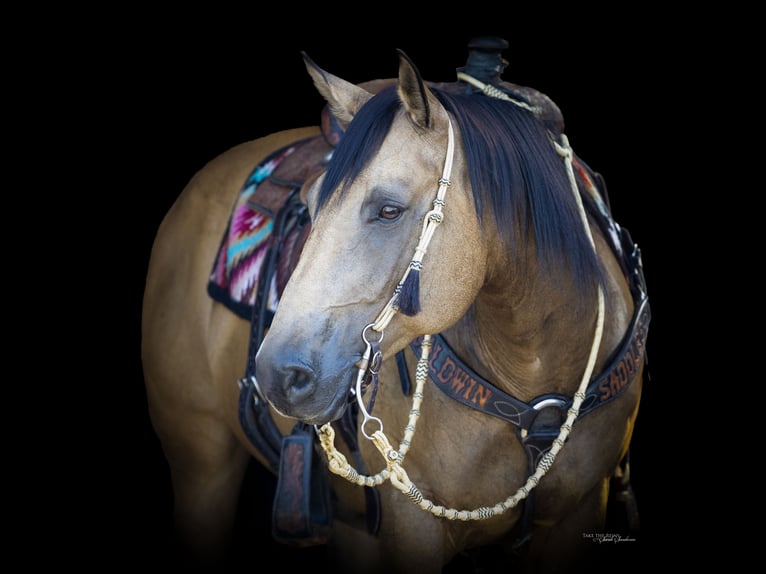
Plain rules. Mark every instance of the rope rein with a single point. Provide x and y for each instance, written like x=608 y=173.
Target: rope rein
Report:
x=493 y=92
x=394 y=459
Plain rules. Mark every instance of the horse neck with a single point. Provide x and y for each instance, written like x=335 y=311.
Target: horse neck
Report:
x=525 y=336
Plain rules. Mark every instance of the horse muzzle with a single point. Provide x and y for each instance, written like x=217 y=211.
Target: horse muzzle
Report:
x=296 y=389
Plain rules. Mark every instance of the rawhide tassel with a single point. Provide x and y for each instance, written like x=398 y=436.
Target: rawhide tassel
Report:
x=409 y=295
x=406 y=298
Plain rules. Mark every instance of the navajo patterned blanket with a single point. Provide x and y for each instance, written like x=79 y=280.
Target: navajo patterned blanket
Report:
x=240 y=258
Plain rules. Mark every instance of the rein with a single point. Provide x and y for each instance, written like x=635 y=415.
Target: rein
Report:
x=371 y=359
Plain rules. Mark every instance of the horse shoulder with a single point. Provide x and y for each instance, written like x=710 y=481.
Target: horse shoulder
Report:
x=189 y=342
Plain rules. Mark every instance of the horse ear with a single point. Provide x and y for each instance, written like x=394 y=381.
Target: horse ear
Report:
x=420 y=103
x=343 y=98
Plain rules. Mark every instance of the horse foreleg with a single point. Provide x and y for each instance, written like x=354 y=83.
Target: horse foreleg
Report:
x=558 y=547
x=411 y=541
x=404 y=545
x=207 y=465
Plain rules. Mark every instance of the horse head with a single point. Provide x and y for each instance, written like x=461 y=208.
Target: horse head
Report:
x=366 y=224
x=452 y=211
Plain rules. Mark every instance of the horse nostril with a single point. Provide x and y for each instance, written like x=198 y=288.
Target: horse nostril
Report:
x=298 y=383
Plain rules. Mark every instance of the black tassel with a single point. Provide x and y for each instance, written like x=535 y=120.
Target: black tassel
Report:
x=409 y=295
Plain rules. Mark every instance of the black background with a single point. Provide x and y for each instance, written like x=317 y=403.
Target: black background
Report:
x=164 y=96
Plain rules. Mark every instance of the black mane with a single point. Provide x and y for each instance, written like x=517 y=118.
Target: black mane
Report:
x=516 y=175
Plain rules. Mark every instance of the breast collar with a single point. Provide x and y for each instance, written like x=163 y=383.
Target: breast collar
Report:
x=459 y=381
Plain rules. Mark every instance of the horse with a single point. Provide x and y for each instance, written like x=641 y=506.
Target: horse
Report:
x=450 y=353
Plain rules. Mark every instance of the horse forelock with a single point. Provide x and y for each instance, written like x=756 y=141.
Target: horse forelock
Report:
x=360 y=143
x=516 y=176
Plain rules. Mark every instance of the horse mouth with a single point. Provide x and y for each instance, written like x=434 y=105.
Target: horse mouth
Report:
x=315 y=409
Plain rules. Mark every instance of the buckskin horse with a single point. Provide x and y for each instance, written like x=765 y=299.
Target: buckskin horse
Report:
x=440 y=325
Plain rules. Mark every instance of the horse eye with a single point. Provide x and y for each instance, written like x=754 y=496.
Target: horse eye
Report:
x=389 y=212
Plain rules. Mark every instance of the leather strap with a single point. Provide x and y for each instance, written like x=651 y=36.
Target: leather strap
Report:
x=302 y=511
x=459 y=381
x=255 y=420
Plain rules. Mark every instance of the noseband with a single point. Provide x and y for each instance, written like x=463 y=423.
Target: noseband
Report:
x=372 y=358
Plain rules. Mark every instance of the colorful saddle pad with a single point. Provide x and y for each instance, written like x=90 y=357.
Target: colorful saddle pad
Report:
x=236 y=271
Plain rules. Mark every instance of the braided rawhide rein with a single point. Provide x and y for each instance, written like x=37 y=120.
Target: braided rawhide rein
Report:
x=394 y=471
